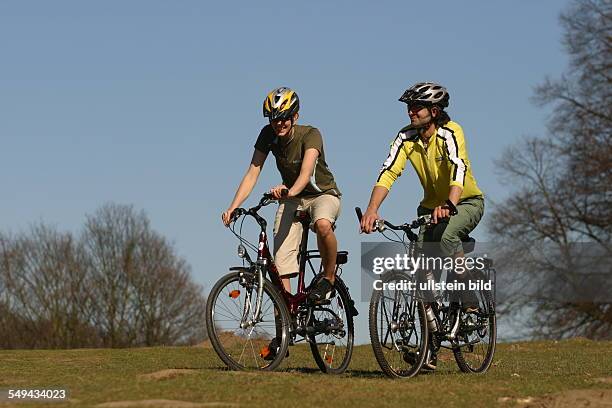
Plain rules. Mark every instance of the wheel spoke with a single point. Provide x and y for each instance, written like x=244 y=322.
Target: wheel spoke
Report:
x=240 y=348
x=397 y=321
x=332 y=344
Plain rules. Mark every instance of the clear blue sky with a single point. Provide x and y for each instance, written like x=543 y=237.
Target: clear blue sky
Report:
x=158 y=103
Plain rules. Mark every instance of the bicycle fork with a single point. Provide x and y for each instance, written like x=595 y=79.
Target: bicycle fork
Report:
x=256 y=316
x=262 y=252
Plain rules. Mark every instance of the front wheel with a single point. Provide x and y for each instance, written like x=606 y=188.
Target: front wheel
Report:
x=243 y=340
x=332 y=341
x=398 y=327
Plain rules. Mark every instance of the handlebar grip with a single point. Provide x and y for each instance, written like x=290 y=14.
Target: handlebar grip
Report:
x=270 y=196
x=359 y=213
x=236 y=214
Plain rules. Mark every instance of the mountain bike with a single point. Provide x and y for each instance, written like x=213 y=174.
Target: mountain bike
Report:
x=251 y=319
x=406 y=325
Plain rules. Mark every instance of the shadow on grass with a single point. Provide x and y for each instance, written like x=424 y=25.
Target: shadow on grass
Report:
x=299 y=370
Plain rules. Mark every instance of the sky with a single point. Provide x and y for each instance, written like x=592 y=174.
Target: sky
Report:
x=157 y=104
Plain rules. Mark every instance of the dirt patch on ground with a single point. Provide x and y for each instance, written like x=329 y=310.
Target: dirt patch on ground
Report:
x=578 y=399
x=166 y=374
x=163 y=404
x=604 y=380
x=567 y=399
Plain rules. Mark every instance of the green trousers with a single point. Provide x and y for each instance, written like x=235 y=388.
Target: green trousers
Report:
x=449 y=234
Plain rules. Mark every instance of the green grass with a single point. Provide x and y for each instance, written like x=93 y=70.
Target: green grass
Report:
x=101 y=375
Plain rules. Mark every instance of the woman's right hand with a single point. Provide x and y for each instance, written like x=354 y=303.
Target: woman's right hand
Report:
x=368 y=220
x=227 y=216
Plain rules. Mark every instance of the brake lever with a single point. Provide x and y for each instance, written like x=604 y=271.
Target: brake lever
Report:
x=425 y=220
x=379 y=225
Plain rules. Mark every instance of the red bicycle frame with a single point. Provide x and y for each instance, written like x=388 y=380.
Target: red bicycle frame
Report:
x=264 y=258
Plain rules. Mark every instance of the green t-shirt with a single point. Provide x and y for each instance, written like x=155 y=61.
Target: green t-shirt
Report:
x=289 y=153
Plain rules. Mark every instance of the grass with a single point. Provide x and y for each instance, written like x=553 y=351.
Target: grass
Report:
x=95 y=376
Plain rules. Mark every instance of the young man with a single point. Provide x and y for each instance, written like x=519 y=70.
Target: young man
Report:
x=300 y=159
x=436 y=148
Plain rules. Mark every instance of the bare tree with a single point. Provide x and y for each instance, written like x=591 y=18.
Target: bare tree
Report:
x=145 y=292
x=120 y=284
x=563 y=190
x=44 y=295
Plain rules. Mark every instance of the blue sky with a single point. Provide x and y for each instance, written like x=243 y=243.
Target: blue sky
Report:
x=158 y=103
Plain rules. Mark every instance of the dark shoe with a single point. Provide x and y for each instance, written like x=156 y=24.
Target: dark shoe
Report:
x=269 y=352
x=323 y=290
x=410 y=357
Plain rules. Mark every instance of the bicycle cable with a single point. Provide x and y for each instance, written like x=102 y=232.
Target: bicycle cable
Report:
x=238 y=235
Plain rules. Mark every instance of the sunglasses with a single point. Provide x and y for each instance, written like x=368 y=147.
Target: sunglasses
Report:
x=415 y=108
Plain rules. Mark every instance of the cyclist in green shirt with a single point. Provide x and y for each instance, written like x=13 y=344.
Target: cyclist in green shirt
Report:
x=300 y=159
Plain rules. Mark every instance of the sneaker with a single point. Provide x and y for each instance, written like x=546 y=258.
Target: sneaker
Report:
x=269 y=352
x=323 y=290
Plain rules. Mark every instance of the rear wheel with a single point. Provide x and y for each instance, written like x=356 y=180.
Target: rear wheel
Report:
x=477 y=336
x=398 y=328
x=332 y=343
x=242 y=341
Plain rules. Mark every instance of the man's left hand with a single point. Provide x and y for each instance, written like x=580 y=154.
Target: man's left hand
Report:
x=277 y=191
x=440 y=212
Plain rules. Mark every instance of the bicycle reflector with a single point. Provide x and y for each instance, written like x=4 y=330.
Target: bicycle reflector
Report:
x=329 y=359
x=234 y=293
x=265 y=352
x=241 y=251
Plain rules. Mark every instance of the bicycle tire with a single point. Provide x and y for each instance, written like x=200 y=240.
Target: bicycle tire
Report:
x=398 y=360
x=227 y=337
x=338 y=310
x=463 y=357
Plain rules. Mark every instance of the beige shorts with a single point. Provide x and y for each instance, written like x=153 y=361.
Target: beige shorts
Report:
x=288 y=232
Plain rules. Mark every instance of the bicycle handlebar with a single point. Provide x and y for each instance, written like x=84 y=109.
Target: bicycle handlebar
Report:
x=406 y=227
x=266 y=199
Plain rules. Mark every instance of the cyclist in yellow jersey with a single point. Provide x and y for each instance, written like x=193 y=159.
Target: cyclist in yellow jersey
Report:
x=436 y=149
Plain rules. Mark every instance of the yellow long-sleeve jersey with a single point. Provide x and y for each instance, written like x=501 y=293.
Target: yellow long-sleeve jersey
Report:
x=443 y=164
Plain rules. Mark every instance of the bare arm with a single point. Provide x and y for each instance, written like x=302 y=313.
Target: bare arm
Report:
x=379 y=193
x=455 y=194
x=247 y=184
x=391 y=170
x=308 y=165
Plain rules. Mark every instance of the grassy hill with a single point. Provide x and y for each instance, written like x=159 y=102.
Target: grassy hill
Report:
x=529 y=374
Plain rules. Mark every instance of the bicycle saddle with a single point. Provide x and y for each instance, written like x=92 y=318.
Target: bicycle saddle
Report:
x=342 y=257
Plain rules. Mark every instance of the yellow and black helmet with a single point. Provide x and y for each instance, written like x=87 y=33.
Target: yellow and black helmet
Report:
x=281 y=103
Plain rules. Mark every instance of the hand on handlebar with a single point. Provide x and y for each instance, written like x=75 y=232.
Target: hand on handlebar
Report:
x=443 y=211
x=226 y=217
x=368 y=222
x=280 y=191
x=439 y=213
